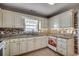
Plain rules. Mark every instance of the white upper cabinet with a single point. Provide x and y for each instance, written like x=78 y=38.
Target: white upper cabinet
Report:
x=19 y=21
x=44 y=23
x=8 y=19
x=55 y=22
x=12 y=19
x=66 y=19
x=0 y=18
x=63 y=20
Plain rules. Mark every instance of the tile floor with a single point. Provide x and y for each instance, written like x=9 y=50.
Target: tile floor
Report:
x=42 y=52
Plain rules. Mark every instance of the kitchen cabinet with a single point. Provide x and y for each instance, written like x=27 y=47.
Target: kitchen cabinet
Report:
x=8 y=19
x=23 y=45
x=44 y=23
x=0 y=18
x=14 y=47
x=65 y=46
x=30 y=44
x=44 y=41
x=38 y=42
x=12 y=19
x=19 y=21
x=63 y=20
x=55 y=22
x=67 y=19
x=43 y=28
x=51 y=22
x=6 y=51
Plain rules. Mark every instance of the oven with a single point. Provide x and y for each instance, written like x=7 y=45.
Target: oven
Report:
x=52 y=43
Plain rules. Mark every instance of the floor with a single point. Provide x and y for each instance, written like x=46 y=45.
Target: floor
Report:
x=42 y=52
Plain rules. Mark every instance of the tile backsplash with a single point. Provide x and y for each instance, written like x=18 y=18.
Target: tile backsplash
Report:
x=10 y=31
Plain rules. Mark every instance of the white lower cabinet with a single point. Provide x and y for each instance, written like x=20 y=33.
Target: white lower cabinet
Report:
x=14 y=47
x=6 y=48
x=23 y=45
x=44 y=41
x=38 y=42
x=30 y=44
x=8 y=19
x=19 y=21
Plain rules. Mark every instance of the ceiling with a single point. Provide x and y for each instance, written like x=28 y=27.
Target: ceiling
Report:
x=40 y=9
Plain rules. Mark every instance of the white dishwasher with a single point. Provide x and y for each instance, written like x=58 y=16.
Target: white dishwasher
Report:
x=52 y=43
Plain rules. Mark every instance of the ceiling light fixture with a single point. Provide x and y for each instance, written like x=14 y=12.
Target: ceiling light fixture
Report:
x=51 y=3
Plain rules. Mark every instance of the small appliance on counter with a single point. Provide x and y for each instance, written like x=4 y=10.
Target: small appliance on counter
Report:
x=52 y=43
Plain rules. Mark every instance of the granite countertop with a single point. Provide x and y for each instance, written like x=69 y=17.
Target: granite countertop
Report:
x=64 y=36
x=30 y=36
x=20 y=36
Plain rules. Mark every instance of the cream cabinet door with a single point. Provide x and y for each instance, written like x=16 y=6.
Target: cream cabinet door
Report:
x=37 y=43
x=51 y=22
x=14 y=47
x=44 y=23
x=66 y=19
x=23 y=45
x=44 y=41
x=1 y=18
x=19 y=21
x=6 y=51
x=8 y=19
x=55 y=22
x=31 y=44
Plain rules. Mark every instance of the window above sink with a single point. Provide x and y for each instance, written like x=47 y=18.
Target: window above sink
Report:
x=32 y=25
